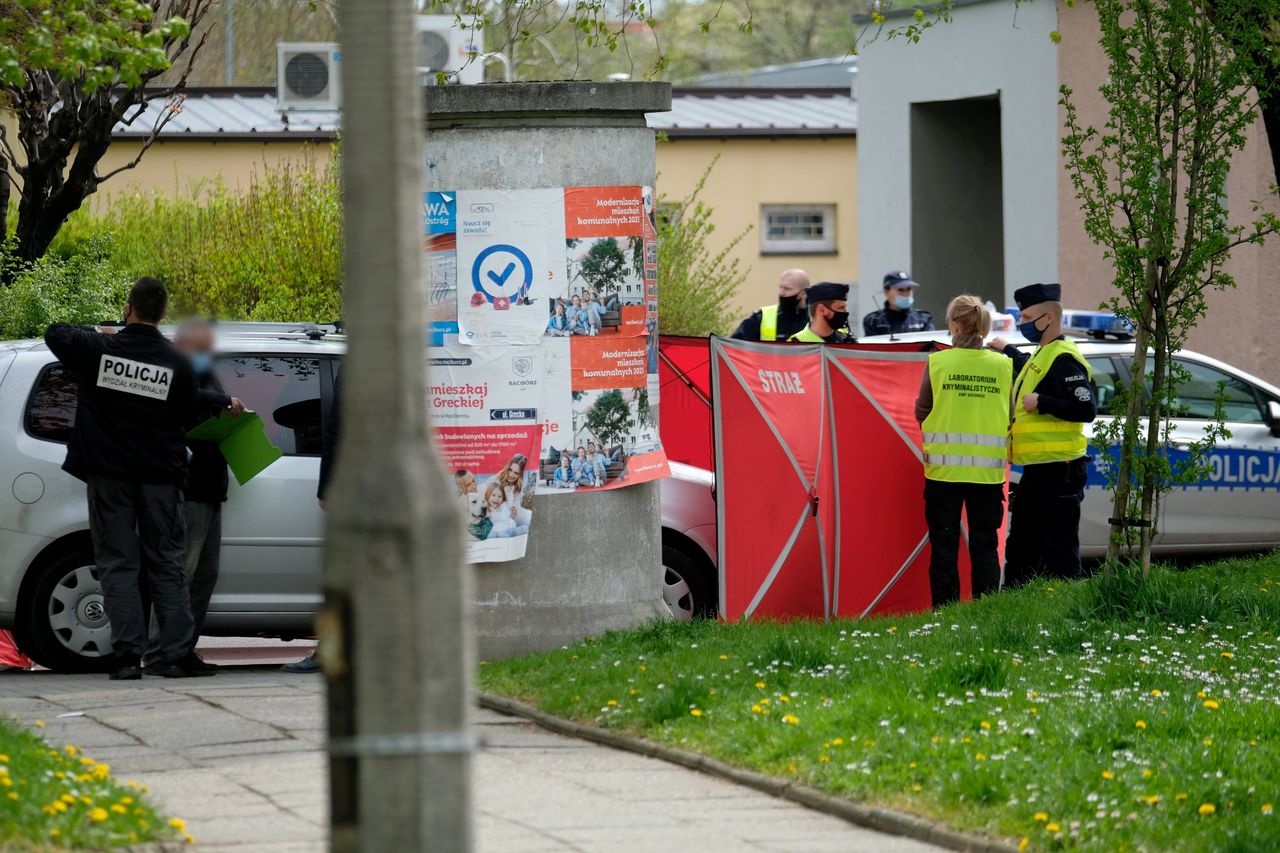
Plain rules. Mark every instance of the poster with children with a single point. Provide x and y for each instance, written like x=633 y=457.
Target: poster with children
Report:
x=484 y=415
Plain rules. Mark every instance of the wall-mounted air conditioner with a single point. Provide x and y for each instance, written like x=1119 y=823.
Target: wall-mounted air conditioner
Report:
x=308 y=76
x=445 y=47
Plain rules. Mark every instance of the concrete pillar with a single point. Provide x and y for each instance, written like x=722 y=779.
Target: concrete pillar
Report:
x=527 y=136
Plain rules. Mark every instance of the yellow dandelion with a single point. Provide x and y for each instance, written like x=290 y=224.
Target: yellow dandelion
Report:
x=838 y=741
x=1053 y=827
x=1141 y=724
x=760 y=685
x=1022 y=845
x=98 y=815
x=1107 y=774
x=784 y=698
x=67 y=798
x=756 y=709
x=60 y=806
x=979 y=757
x=5 y=781
x=1146 y=773
x=1267 y=808
x=1041 y=817
x=696 y=712
x=39 y=724
x=101 y=771
x=55 y=832
x=917 y=787
x=1180 y=796
x=1033 y=710
x=118 y=809
x=13 y=795
x=189 y=838
x=4 y=759
x=724 y=657
x=823 y=759
x=1200 y=694
x=612 y=702
x=178 y=823
x=1208 y=741
x=1156 y=693
x=791 y=719
x=1207 y=808
x=1211 y=705
x=1227 y=655
x=985 y=724
x=1151 y=799
x=71 y=750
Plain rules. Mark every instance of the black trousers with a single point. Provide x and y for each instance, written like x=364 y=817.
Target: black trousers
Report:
x=1044 y=528
x=943 y=502
x=138 y=535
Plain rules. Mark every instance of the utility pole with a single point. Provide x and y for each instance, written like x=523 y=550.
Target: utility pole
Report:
x=395 y=639
x=229 y=42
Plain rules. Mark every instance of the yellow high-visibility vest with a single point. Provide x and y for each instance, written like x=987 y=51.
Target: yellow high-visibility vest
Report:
x=807 y=336
x=1036 y=437
x=966 y=434
x=769 y=323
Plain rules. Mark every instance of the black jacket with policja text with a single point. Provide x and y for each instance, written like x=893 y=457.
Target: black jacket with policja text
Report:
x=137 y=394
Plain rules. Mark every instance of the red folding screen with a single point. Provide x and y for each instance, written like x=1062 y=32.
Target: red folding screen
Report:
x=820 y=486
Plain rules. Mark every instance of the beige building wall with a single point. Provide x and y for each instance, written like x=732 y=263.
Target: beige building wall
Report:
x=754 y=172
x=1241 y=324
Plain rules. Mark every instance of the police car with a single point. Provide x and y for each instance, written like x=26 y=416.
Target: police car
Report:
x=1237 y=506
x=272 y=528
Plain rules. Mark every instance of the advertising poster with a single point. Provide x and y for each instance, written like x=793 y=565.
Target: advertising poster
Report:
x=484 y=414
x=440 y=265
x=610 y=240
x=510 y=263
x=600 y=425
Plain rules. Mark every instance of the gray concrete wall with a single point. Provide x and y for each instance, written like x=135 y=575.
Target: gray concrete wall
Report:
x=530 y=135
x=995 y=48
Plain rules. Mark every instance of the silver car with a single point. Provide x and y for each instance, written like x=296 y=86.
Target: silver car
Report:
x=272 y=527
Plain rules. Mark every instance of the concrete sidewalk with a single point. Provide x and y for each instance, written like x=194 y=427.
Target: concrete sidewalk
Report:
x=238 y=756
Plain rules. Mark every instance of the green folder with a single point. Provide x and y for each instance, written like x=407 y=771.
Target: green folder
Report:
x=243 y=442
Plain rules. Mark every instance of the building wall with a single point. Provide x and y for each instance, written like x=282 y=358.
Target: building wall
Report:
x=1241 y=323
x=989 y=48
x=754 y=172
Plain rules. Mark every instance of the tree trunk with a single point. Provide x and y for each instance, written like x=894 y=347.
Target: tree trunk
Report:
x=1120 y=533
x=1154 y=438
x=395 y=639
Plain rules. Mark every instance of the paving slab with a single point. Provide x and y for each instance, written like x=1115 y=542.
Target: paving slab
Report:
x=239 y=757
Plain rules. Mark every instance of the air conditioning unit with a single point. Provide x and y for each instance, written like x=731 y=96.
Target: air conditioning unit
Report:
x=308 y=76
x=445 y=47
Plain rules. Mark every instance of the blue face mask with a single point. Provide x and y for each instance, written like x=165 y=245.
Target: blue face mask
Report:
x=201 y=362
x=1030 y=332
x=903 y=303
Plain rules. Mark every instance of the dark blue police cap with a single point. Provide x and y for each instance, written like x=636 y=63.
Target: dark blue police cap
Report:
x=1034 y=294
x=824 y=291
x=899 y=278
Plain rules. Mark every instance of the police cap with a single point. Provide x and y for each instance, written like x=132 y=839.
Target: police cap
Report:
x=825 y=291
x=899 y=278
x=1034 y=294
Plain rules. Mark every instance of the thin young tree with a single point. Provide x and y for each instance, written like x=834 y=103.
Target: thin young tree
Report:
x=1151 y=182
x=70 y=72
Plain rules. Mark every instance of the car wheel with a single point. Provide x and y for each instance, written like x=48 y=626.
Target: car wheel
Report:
x=686 y=589
x=66 y=620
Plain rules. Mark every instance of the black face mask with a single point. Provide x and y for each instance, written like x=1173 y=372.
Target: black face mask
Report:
x=839 y=319
x=789 y=304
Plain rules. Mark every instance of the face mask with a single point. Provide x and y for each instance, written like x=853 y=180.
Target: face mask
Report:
x=1030 y=332
x=839 y=319
x=201 y=362
x=903 y=303
x=789 y=304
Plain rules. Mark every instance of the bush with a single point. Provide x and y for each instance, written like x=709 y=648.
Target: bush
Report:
x=88 y=287
x=696 y=284
x=271 y=253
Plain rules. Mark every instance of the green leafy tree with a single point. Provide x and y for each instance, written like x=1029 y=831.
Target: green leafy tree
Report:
x=609 y=419
x=70 y=71
x=696 y=283
x=1151 y=183
x=604 y=265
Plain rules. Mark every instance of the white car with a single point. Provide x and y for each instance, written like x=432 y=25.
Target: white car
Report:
x=1237 y=507
x=272 y=528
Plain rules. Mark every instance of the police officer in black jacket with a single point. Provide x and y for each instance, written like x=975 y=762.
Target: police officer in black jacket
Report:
x=898 y=314
x=136 y=396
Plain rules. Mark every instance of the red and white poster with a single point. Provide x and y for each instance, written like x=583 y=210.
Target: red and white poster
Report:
x=484 y=415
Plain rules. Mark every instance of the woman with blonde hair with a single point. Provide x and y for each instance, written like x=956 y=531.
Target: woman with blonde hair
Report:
x=963 y=409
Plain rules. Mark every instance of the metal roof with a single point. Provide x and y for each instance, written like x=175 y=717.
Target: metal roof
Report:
x=827 y=71
x=212 y=114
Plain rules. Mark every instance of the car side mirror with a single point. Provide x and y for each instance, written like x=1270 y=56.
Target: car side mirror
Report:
x=1273 y=417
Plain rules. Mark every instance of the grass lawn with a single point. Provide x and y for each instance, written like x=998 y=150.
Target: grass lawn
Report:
x=1084 y=715
x=55 y=799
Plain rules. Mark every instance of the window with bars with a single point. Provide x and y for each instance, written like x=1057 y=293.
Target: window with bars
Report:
x=795 y=229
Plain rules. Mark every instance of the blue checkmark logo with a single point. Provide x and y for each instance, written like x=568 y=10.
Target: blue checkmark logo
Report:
x=494 y=272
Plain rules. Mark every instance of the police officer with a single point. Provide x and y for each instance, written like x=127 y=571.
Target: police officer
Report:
x=898 y=315
x=963 y=408
x=1052 y=401
x=136 y=396
x=782 y=320
x=828 y=315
